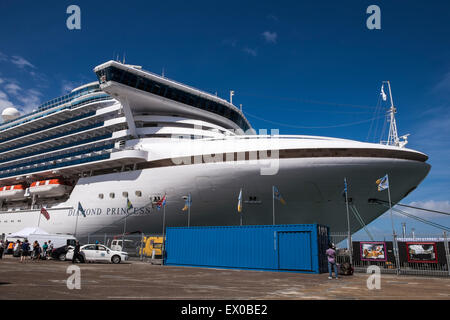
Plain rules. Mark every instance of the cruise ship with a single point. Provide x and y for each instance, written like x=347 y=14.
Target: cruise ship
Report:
x=122 y=154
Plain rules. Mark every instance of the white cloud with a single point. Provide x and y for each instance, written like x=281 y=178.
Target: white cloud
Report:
x=30 y=100
x=21 y=62
x=4 y=101
x=250 y=51
x=273 y=17
x=270 y=37
x=12 y=88
x=443 y=206
x=443 y=85
x=67 y=86
x=229 y=42
x=3 y=57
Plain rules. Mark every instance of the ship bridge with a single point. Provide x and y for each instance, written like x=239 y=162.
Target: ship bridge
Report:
x=145 y=93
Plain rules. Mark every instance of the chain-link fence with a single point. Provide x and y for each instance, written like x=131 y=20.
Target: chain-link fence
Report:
x=425 y=255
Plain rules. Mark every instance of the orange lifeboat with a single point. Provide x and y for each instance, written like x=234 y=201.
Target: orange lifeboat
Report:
x=15 y=192
x=49 y=188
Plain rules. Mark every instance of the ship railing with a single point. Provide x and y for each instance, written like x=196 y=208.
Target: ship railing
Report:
x=64 y=104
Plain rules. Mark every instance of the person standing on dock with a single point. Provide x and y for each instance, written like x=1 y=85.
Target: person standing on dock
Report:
x=331 y=255
x=76 y=252
x=25 y=251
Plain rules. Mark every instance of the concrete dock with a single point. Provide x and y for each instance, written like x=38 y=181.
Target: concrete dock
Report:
x=142 y=280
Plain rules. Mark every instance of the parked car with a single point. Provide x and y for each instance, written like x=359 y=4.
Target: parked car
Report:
x=60 y=253
x=99 y=252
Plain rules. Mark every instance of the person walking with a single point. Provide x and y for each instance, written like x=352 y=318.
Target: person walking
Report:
x=76 y=252
x=10 y=248
x=25 y=251
x=44 y=251
x=331 y=255
x=2 y=248
x=50 y=248
x=16 y=250
x=36 y=250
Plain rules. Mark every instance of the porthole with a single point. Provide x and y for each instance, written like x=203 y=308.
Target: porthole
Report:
x=138 y=193
x=125 y=194
x=100 y=195
x=112 y=195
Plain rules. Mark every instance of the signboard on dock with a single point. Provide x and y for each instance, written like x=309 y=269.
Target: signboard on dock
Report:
x=373 y=251
x=422 y=252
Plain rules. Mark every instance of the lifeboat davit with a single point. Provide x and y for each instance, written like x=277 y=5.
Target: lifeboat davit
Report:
x=15 y=192
x=49 y=188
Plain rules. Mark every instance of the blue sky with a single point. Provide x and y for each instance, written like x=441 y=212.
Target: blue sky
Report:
x=302 y=67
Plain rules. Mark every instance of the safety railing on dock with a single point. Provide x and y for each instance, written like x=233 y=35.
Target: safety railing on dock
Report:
x=422 y=256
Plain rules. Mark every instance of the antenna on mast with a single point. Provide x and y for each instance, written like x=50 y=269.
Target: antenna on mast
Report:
x=393 y=139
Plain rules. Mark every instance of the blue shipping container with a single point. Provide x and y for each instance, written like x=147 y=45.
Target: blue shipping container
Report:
x=299 y=248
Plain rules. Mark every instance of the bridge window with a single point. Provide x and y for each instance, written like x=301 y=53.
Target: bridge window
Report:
x=142 y=83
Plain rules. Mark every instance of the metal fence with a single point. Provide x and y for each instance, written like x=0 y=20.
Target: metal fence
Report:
x=422 y=256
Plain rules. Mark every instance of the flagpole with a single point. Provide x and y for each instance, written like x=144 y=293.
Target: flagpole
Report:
x=349 y=238
x=390 y=205
x=273 y=204
x=124 y=228
x=240 y=206
x=189 y=210
x=76 y=224
x=164 y=220
x=39 y=220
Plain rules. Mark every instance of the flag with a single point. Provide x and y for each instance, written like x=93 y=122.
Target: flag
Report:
x=161 y=203
x=383 y=183
x=240 y=201
x=187 y=203
x=383 y=95
x=277 y=195
x=80 y=208
x=44 y=212
x=129 y=205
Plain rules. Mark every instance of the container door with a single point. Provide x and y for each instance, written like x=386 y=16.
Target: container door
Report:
x=294 y=250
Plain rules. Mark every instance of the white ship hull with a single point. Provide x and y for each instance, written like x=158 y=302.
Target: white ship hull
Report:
x=312 y=188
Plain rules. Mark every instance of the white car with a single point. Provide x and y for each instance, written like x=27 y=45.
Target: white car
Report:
x=99 y=252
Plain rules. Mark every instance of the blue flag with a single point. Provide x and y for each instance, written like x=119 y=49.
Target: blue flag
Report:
x=383 y=183
x=129 y=205
x=80 y=208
